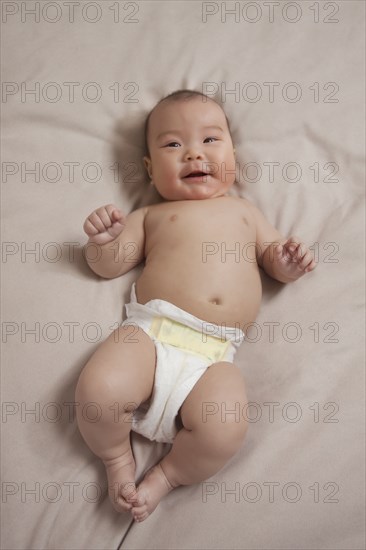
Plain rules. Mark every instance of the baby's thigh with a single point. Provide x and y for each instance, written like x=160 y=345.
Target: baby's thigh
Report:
x=217 y=401
x=123 y=364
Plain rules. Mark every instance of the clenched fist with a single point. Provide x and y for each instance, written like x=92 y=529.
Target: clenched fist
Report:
x=104 y=224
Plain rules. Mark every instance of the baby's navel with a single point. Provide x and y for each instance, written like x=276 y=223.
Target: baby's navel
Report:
x=215 y=301
x=245 y=220
x=173 y=217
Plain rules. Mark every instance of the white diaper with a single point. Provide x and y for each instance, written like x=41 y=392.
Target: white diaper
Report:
x=185 y=347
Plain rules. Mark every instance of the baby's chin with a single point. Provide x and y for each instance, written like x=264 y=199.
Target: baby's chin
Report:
x=196 y=192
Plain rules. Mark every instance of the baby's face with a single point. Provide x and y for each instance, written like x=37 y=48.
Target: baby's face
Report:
x=191 y=150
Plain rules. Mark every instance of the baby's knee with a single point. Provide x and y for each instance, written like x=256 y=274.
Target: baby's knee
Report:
x=225 y=436
x=230 y=437
x=104 y=386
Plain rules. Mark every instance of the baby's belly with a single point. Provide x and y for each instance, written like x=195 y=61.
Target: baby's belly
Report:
x=224 y=296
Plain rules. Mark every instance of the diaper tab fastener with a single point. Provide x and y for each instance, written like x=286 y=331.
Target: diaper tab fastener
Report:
x=176 y=334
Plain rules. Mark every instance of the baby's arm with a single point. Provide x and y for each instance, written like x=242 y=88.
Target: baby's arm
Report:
x=284 y=259
x=116 y=243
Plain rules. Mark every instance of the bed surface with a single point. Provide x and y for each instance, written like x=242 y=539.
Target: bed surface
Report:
x=75 y=95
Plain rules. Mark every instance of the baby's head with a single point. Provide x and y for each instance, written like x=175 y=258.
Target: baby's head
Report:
x=190 y=153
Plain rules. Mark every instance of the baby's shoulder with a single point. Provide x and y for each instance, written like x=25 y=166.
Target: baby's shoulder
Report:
x=244 y=205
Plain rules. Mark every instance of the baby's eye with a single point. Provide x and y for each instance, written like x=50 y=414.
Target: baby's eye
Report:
x=172 y=144
x=209 y=140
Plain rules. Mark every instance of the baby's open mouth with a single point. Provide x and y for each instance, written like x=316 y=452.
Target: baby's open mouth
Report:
x=196 y=174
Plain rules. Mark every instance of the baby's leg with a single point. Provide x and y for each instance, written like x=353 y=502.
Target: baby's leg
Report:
x=114 y=382
x=214 y=429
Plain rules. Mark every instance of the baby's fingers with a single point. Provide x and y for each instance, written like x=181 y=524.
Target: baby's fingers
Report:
x=93 y=224
x=116 y=229
x=295 y=251
x=102 y=219
x=310 y=266
x=278 y=250
x=287 y=251
x=89 y=228
x=104 y=214
x=305 y=260
x=117 y=216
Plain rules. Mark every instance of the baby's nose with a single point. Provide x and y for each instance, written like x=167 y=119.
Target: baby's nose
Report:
x=192 y=154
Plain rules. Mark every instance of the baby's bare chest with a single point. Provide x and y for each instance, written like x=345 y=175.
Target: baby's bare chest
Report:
x=218 y=225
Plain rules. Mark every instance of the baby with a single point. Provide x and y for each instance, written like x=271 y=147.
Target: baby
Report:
x=167 y=372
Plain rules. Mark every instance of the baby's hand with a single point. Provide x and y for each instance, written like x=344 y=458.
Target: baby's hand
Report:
x=104 y=224
x=293 y=258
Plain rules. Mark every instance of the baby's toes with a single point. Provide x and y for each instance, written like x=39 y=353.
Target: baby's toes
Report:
x=138 y=500
x=119 y=504
x=122 y=496
x=140 y=513
x=129 y=493
x=124 y=506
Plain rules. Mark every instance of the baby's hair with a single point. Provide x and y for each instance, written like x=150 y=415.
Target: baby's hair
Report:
x=178 y=95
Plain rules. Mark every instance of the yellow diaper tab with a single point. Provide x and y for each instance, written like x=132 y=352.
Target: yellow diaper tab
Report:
x=171 y=332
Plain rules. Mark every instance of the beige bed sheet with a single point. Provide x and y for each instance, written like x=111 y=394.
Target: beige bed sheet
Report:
x=77 y=84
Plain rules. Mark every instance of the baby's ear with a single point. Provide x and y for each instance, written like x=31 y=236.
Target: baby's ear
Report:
x=147 y=162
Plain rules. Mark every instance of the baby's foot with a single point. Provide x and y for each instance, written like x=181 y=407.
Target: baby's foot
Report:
x=151 y=490
x=121 y=481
